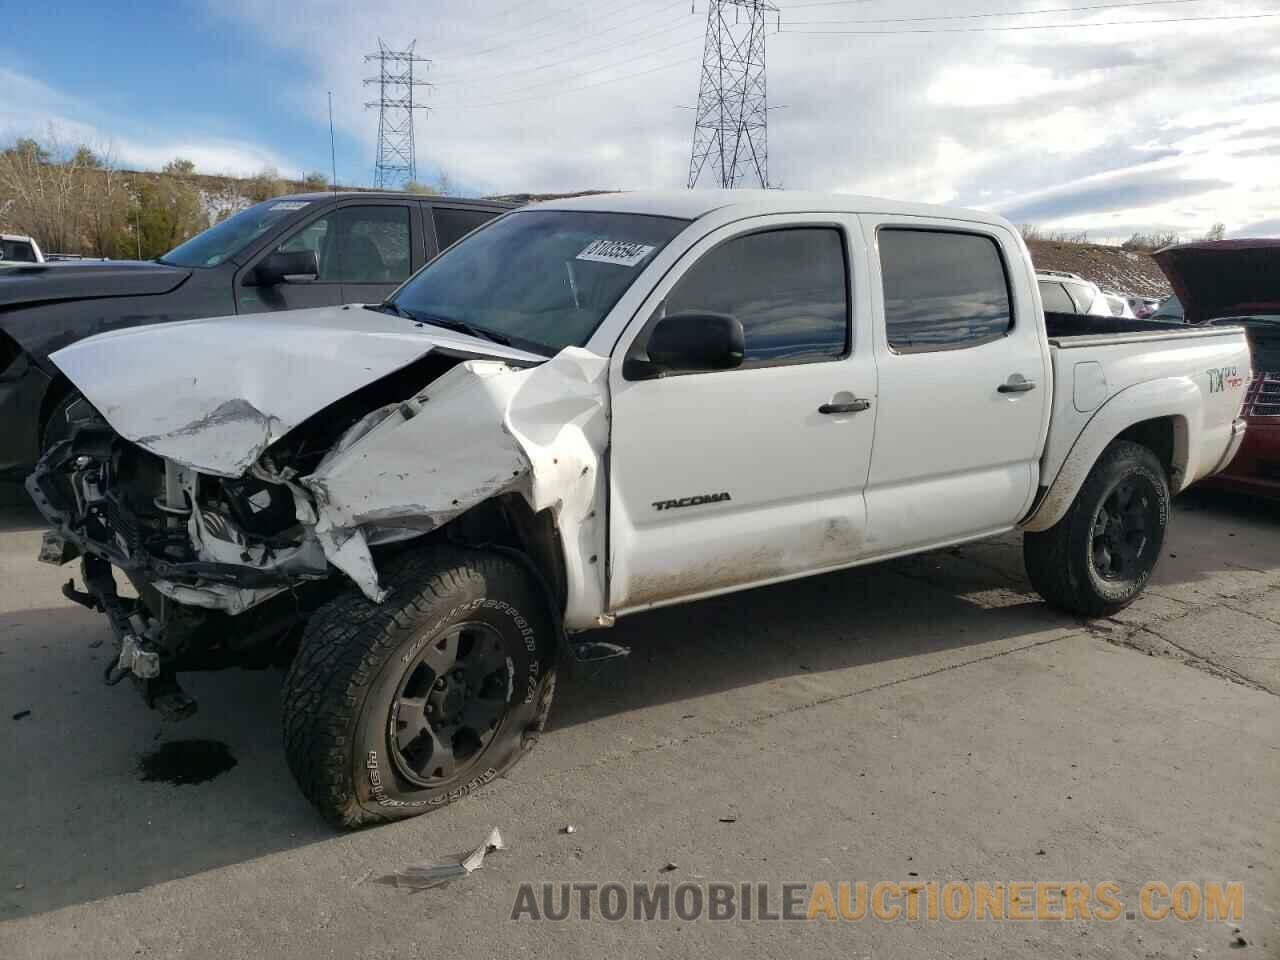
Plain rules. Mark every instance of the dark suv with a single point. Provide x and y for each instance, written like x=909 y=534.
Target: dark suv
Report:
x=308 y=250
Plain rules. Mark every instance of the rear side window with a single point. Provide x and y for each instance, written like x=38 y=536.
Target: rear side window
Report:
x=453 y=225
x=789 y=288
x=1082 y=295
x=1054 y=298
x=943 y=290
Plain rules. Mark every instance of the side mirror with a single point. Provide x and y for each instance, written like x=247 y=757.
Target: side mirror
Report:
x=690 y=343
x=288 y=266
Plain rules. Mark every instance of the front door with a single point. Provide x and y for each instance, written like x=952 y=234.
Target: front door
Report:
x=364 y=251
x=964 y=383
x=723 y=479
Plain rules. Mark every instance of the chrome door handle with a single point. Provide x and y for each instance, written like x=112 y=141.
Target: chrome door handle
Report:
x=1016 y=384
x=853 y=406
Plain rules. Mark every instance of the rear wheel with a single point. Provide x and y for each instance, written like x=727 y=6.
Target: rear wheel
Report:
x=1098 y=558
x=395 y=709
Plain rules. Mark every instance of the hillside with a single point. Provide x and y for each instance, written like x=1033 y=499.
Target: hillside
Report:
x=1113 y=269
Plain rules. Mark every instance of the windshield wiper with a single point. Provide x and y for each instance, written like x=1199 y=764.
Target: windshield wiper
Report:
x=388 y=307
x=461 y=326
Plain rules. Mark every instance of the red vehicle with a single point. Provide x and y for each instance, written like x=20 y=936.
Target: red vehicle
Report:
x=1238 y=282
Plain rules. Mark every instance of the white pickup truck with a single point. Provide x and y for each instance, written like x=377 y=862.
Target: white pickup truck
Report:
x=591 y=408
x=15 y=248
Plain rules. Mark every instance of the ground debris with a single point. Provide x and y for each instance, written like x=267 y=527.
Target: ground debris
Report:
x=21 y=713
x=568 y=828
x=424 y=876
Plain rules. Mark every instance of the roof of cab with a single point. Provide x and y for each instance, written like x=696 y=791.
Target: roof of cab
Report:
x=692 y=204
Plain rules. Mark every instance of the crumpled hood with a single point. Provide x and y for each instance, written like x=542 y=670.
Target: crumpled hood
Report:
x=213 y=394
x=46 y=282
x=1224 y=278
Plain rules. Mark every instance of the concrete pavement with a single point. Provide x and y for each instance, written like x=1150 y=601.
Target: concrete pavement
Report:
x=926 y=718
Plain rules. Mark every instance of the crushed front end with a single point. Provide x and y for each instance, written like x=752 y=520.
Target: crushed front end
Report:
x=198 y=551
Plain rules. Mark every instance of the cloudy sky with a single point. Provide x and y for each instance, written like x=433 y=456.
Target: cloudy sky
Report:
x=1072 y=114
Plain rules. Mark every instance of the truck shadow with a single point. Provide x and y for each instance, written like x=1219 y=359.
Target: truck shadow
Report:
x=82 y=824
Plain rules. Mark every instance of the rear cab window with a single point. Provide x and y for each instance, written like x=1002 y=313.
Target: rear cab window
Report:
x=943 y=290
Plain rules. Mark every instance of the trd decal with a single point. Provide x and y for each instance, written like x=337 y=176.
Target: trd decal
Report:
x=691 y=501
x=1224 y=377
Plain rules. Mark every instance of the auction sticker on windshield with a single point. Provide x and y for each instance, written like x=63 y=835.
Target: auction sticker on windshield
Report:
x=624 y=253
x=290 y=204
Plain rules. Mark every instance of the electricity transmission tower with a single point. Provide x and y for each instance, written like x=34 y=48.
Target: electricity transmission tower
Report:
x=397 y=162
x=730 y=129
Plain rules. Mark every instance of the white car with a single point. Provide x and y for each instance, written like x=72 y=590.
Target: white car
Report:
x=1063 y=292
x=1119 y=306
x=589 y=408
x=15 y=248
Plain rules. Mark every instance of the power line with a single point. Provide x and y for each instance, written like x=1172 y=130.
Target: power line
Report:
x=587 y=73
x=630 y=41
x=1037 y=26
x=525 y=39
x=589 y=86
x=1005 y=13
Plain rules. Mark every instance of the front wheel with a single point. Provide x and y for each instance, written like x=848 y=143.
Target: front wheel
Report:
x=393 y=710
x=1100 y=555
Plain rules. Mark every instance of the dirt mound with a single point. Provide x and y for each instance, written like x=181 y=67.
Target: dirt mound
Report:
x=1114 y=270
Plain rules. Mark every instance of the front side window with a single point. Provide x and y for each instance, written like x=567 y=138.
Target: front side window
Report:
x=789 y=288
x=358 y=244
x=544 y=279
x=942 y=290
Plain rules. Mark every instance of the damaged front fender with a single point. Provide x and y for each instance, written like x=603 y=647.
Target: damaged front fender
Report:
x=481 y=430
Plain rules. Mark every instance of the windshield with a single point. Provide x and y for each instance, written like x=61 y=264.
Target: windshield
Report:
x=210 y=248
x=544 y=278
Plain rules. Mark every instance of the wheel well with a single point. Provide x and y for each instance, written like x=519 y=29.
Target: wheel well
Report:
x=54 y=395
x=509 y=523
x=1166 y=438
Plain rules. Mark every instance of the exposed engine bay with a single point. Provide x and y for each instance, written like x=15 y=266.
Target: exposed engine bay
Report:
x=227 y=568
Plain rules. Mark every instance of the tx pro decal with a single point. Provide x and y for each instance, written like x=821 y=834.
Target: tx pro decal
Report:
x=691 y=501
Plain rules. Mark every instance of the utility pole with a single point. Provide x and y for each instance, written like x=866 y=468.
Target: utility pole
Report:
x=333 y=154
x=730 y=127
x=397 y=163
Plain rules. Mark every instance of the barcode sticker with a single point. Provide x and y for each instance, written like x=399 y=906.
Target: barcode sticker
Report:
x=623 y=253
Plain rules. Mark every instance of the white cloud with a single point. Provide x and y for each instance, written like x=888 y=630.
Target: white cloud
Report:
x=1099 y=128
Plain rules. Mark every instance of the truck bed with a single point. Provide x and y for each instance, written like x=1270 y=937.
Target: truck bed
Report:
x=1059 y=325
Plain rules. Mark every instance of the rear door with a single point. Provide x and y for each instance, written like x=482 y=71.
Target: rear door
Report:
x=727 y=478
x=964 y=383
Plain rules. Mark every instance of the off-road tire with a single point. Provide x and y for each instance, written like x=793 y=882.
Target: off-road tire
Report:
x=1059 y=561
x=355 y=655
